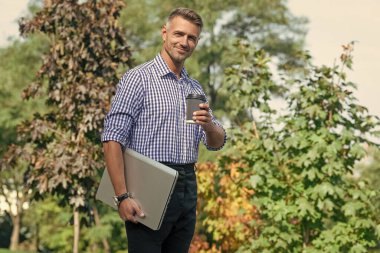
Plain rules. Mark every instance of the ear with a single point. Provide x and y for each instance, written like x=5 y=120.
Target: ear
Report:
x=164 y=32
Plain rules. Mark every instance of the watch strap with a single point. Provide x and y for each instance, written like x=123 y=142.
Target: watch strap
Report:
x=122 y=197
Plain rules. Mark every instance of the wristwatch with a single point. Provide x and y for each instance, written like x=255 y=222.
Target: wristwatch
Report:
x=118 y=199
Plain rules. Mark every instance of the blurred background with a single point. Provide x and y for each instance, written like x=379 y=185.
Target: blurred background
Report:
x=253 y=60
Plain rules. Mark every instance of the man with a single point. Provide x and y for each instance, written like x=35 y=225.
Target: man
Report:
x=148 y=115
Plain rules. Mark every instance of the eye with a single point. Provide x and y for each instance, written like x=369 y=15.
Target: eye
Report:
x=178 y=34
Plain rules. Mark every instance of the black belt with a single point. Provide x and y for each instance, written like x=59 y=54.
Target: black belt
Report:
x=182 y=165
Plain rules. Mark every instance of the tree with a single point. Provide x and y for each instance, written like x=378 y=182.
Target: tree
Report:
x=226 y=209
x=369 y=170
x=17 y=67
x=6 y=229
x=15 y=194
x=79 y=76
x=300 y=165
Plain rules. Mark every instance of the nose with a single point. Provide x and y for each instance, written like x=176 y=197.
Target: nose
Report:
x=184 y=42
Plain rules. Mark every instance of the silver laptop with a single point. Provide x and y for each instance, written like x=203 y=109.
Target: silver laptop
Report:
x=150 y=183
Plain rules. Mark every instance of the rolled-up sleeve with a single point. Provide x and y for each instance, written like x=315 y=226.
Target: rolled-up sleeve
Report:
x=125 y=108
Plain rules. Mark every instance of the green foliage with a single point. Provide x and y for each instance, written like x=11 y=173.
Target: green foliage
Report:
x=54 y=238
x=109 y=228
x=51 y=225
x=248 y=82
x=370 y=171
x=300 y=165
x=13 y=166
x=19 y=63
x=18 y=66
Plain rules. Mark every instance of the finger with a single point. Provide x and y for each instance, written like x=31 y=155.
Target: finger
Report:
x=202 y=119
x=139 y=212
x=204 y=106
x=201 y=113
x=122 y=214
x=137 y=209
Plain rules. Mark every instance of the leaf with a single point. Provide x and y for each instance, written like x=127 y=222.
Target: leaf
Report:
x=358 y=248
x=255 y=181
x=324 y=189
x=378 y=231
x=352 y=208
x=313 y=174
x=305 y=208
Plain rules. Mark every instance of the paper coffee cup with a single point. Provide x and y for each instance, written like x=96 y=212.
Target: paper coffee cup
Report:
x=192 y=105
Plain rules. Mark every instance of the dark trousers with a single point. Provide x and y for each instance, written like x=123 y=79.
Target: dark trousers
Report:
x=178 y=226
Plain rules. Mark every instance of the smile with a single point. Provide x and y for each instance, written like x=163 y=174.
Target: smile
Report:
x=182 y=50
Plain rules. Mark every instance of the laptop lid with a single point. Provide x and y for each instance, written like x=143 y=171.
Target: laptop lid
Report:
x=150 y=183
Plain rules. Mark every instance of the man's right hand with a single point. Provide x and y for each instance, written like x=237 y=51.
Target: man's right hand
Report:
x=129 y=209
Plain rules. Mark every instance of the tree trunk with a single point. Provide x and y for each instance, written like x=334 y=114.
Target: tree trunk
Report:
x=306 y=234
x=36 y=239
x=15 y=238
x=105 y=243
x=76 y=231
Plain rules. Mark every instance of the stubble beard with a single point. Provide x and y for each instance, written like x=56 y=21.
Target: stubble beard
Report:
x=177 y=58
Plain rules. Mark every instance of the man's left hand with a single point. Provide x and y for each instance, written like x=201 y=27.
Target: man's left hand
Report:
x=203 y=117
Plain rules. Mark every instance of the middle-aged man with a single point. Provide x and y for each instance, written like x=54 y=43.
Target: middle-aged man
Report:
x=148 y=115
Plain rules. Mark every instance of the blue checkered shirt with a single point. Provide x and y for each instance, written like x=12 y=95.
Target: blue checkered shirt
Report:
x=148 y=114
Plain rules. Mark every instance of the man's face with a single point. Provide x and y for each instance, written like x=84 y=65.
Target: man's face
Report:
x=180 y=39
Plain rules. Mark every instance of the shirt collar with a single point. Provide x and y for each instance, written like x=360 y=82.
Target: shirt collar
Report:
x=163 y=69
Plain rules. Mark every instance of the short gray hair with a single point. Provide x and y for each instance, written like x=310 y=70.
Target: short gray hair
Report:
x=188 y=14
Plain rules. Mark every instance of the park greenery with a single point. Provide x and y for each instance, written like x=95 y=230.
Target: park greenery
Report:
x=301 y=179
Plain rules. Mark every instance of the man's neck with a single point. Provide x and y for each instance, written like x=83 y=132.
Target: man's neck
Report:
x=173 y=66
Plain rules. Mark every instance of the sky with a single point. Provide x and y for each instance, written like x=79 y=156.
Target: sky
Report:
x=10 y=11
x=332 y=23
